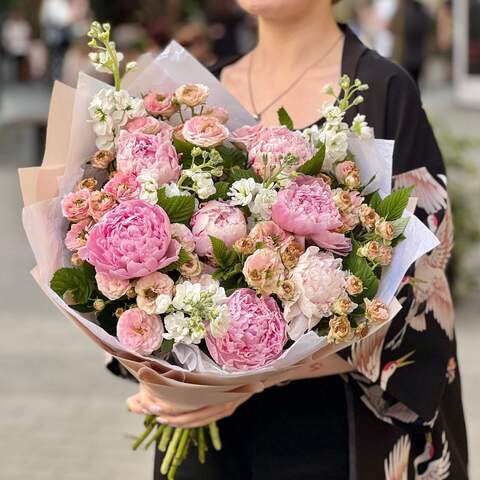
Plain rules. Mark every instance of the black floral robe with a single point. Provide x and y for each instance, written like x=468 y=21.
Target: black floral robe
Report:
x=399 y=415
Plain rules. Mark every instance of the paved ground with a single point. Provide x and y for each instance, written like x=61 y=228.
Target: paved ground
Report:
x=62 y=417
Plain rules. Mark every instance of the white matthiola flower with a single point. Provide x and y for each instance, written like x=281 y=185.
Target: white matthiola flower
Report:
x=203 y=184
x=242 y=191
x=103 y=126
x=332 y=113
x=136 y=107
x=162 y=302
x=176 y=325
x=360 y=127
x=186 y=294
x=99 y=60
x=105 y=142
x=262 y=205
x=172 y=190
x=220 y=323
x=149 y=187
x=312 y=135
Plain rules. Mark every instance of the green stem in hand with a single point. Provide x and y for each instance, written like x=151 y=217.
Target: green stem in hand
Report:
x=155 y=436
x=143 y=437
x=171 y=450
x=166 y=434
x=202 y=447
x=179 y=454
x=215 y=436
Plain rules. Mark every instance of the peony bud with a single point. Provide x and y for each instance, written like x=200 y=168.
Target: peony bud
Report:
x=118 y=312
x=286 y=290
x=376 y=310
x=75 y=260
x=368 y=217
x=384 y=229
x=354 y=285
x=102 y=159
x=99 y=304
x=89 y=183
x=340 y=329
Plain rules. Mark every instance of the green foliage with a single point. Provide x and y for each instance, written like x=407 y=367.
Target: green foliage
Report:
x=229 y=265
x=239 y=173
x=399 y=226
x=183 y=258
x=314 y=165
x=185 y=149
x=359 y=267
x=232 y=157
x=77 y=281
x=284 y=118
x=392 y=206
x=374 y=200
x=221 y=191
x=166 y=346
x=179 y=208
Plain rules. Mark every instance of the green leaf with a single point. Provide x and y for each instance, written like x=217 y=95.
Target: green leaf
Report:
x=224 y=256
x=166 y=346
x=185 y=149
x=284 y=118
x=183 y=257
x=179 y=208
x=107 y=318
x=375 y=200
x=358 y=266
x=232 y=157
x=221 y=189
x=392 y=206
x=314 y=165
x=73 y=280
x=239 y=173
x=399 y=226
x=397 y=240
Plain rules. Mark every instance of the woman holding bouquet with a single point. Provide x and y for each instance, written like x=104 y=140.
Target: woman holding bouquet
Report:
x=397 y=414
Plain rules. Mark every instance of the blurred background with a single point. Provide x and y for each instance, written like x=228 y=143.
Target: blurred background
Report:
x=61 y=415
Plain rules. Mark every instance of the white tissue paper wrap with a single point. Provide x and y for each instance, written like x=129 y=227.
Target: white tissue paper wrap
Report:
x=46 y=228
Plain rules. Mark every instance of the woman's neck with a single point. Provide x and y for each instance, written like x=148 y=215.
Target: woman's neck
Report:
x=286 y=45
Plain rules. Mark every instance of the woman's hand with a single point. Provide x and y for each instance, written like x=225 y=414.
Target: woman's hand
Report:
x=145 y=403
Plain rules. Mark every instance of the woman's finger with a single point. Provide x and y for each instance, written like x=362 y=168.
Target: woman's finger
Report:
x=200 y=417
x=135 y=405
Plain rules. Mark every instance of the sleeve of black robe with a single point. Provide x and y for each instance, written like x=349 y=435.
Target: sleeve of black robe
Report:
x=423 y=329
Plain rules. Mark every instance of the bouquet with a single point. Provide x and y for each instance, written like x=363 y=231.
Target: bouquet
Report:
x=186 y=238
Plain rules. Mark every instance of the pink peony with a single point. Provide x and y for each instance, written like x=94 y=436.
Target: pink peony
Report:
x=123 y=186
x=319 y=280
x=75 y=205
x=275 y=143
x=218 y=112
x=138 y=151
x=263 y=271
x=306 y=208
x=160 y=104
x=269 y=234
x=204 y=131
x=218 y=220
x=151 y=126
x=182 y=234
x=100 y=204
x=112 y=288
x=131 y=241
x=245 y=136
x=150 y=287
x=139 y=332
x=256 y=334
x=76 y=237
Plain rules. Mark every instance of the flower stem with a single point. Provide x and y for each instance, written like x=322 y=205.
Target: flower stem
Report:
x=143 y=436
x=155 y=436
x=179 y=454
x=171 y=450
x=202 y=447
x=166 y=434
x=215 y=436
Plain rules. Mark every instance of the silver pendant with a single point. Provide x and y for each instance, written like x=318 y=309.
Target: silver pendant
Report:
x=257 y=116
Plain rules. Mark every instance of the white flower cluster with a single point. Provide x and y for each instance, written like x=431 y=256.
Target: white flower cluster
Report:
x=360 y=127
x=109 y=110
x=334 y=134
x=258 y=198
x=173 y=190
x=202 y=185
x=149 y=187
x=194 y=308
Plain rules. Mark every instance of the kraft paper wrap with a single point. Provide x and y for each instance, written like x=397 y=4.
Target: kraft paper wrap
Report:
x=186 y=389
